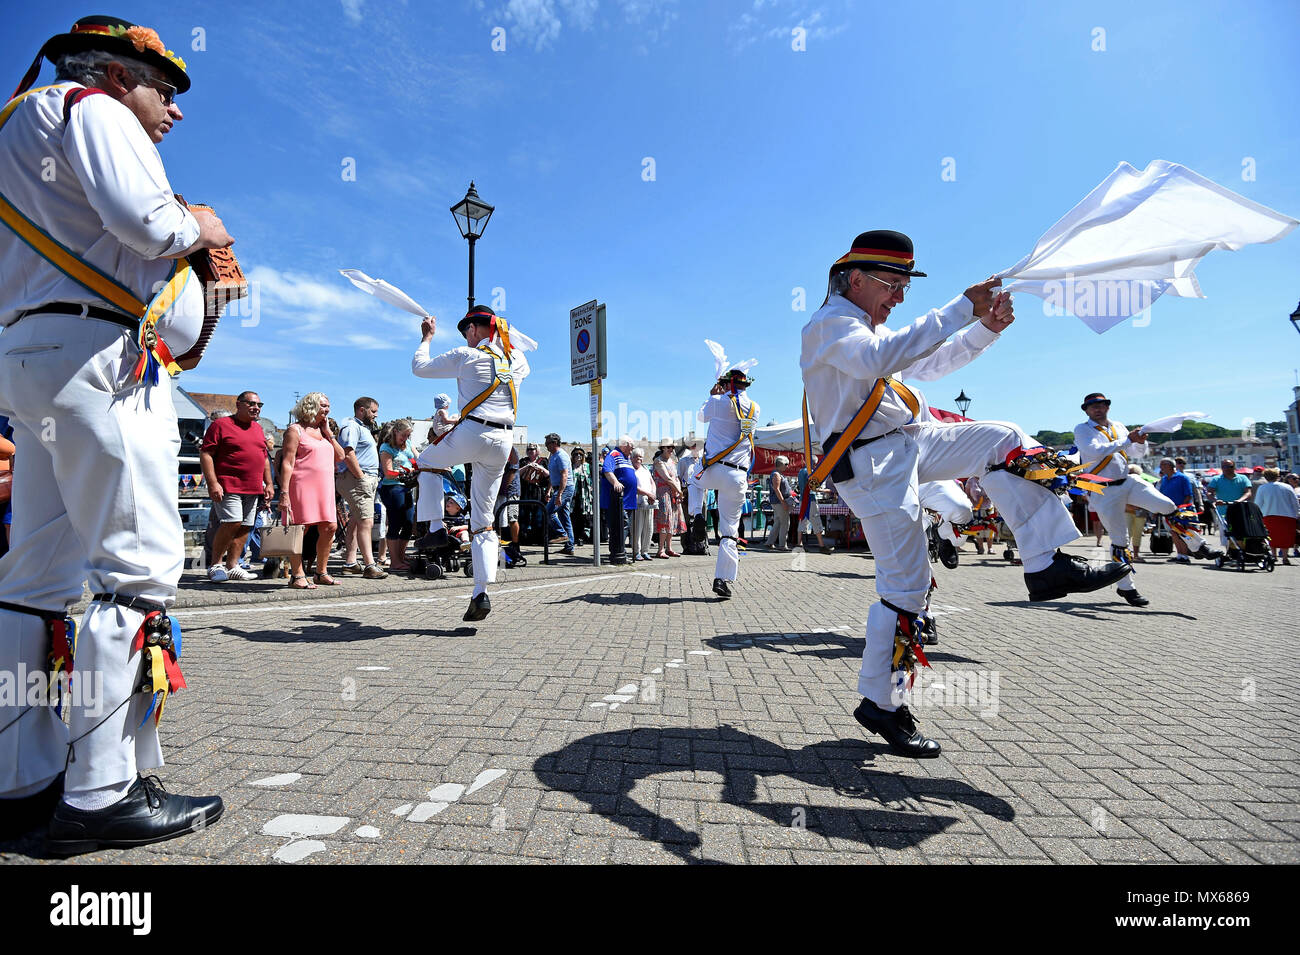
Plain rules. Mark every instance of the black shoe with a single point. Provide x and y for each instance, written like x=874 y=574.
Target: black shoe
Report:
x=619 y=561
x=721 y=589
x=434 y=540
x=1073 y=575
x=22 y=816
x=479 y=607
x=929 y=631
x=898 y=728
x=566 y=551
x=145 y=815
x=947 y=554
x=1134 y=598
x=1207 y=553
x=827 y=549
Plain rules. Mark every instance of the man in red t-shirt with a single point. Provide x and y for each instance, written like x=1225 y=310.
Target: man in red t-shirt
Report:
x=238 y=471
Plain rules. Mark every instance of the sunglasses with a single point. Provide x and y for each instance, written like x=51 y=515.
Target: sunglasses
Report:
x=253 y=404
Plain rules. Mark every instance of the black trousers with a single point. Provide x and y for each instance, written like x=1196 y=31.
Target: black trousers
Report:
x=614 y=521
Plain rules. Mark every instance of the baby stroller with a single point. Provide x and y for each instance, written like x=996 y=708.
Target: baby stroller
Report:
x=1243 y=525
x=453 y=552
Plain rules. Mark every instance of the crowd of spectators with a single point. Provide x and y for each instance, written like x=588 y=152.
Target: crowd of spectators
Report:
x=351 y=486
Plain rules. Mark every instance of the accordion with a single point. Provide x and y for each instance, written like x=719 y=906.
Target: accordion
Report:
x=223 y=282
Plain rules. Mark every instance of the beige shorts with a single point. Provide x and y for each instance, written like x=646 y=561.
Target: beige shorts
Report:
x=359 y=493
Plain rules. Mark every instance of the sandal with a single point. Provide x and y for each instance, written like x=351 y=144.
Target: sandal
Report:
x=325 y=580
x=306 y=585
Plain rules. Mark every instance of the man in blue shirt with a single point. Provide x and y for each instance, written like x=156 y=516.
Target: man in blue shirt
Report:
x=1226 y=488
x=360 y=491
x=617 y=493
x=557 y=505
x=1177 y=486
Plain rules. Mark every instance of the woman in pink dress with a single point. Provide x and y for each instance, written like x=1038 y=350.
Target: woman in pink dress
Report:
x=668 y=490
x=307 y=483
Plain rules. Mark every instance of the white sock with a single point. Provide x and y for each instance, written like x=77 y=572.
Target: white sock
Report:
x=89 y=800
x=1033 y=563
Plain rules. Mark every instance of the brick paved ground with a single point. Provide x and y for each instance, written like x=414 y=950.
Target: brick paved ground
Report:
x=628 y=716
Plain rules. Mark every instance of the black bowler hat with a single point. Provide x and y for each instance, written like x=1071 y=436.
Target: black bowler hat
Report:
x=478 y=315
x=111 y=35
x=1093 y=399
x=880 y=249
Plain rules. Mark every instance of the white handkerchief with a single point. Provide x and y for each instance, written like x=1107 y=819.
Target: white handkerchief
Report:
x=1172 y=423
x=383 y=290
x=1136 y=237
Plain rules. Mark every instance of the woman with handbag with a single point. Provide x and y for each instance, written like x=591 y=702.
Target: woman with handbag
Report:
x=307 y=484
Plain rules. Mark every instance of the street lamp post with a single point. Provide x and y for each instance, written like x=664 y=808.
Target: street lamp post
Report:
x=1295 y=318
x=962 y=402
x=471 y=215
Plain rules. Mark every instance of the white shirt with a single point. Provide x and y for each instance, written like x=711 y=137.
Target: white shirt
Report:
x=474 y=370
x=843 y=356
x=99 y=188
x=1093 y=445
x=724 y=427
x=1275 y=499
x=686 y=464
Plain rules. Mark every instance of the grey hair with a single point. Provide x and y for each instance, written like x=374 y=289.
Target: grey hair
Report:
x=1171 y=462
x=841 y=280
x=91 y=68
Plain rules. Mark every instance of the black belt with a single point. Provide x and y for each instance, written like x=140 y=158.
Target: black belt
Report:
x=85 y=311
x=860 y=442
x=134 y=603
x=46 y=615
x=490 y=424
x=1117 y=483
x=735 y=467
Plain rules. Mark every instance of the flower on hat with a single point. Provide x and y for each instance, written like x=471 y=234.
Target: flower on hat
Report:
x=175 y=59
x=145 y=39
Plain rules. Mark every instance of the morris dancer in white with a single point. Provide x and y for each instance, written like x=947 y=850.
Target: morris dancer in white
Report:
x=488 y=370
x=1105 y=448
x=880 y=442
x=724 y=467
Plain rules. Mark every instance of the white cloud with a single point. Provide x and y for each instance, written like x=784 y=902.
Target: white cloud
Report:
x=535 y=20
x=352 y=9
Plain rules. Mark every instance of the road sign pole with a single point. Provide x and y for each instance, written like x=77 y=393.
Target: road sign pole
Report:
x=595 y=474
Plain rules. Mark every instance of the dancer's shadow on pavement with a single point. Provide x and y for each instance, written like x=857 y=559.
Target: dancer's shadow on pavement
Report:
x=601 y=770
x=1091 y=611
x=821 y=646
x=329 y=628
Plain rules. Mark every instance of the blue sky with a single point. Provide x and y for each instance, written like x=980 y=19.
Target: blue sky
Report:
x=767 y=161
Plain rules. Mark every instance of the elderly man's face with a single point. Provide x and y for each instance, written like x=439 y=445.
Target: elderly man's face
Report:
x=1098 y=411
x=876 y=293
x=147 y=101
x=1166 y=469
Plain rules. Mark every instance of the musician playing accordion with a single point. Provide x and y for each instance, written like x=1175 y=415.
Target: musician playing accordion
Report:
x=90 y=230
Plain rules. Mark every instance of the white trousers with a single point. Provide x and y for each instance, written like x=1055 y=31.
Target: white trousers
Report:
x=694 y=495
x=730 y=487
x=487 y=449
x=884 y=495
x=94 y=502
x=949 y=501
x=1111 y=508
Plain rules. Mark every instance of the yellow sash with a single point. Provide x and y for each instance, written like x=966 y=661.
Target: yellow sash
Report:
x=832 y=455
x=746 y=431
x=502 y=376
x=91 y=278
x=1111 y=434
